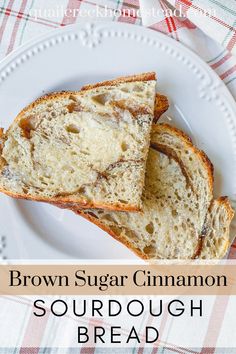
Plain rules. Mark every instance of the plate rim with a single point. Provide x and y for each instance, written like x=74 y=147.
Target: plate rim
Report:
x=89 y=25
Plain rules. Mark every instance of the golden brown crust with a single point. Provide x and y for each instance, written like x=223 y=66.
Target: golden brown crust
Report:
x=198 y=248
x=81 y=204
x=1 y=139
x=123 y=79
x=166 y=127
x=2 y=160
x=158 y=110
x=161 y=106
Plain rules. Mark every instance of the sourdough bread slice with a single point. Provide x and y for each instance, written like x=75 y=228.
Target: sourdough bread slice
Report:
x=161 y=106
x=87 y=147
x=176 y=201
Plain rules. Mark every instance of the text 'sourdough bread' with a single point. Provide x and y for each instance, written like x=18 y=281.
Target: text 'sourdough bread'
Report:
x=87 y=147
x=180 y=219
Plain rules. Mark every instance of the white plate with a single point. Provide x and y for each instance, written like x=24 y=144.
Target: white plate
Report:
x=76 y=55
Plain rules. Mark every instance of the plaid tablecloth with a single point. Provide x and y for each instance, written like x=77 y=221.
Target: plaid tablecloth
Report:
x=21 y=20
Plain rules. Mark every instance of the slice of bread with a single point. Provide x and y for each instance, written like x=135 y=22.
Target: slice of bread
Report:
x=179 y=218
x=87 y=147
x=161 y=106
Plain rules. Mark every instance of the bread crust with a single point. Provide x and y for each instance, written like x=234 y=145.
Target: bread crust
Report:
x=82 y=204
x=123 y=79
x=161 y=106
x=159 y=109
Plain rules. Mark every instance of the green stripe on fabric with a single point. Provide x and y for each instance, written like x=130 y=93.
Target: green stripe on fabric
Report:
x=2 y=8
x=217 y=57
x=228 y=34
x=222 y=6
x=25 y=22
x=228 y=82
